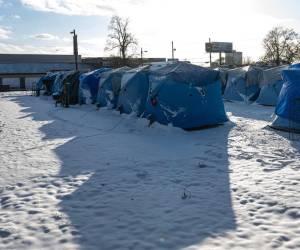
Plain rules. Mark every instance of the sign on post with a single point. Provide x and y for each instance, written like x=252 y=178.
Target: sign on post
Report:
x=218 y=47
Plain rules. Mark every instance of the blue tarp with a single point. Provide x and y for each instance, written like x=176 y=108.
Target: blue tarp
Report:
x=271 y=85
x=285 y=125
x=50 y=76
x=89 y=85
x=186 y=96
x=288 y=106
x=295 y=66
x=223 y=77
x=134 y=91
x=58 y=83
x=269 y=94
x=47 y=83
x=243 y=84
x=109 y=87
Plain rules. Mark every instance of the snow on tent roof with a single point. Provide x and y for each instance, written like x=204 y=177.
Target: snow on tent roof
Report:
x=93 y=74
x=131 y=73
x=236 y=73
x=187 y=73
x=251 y=74
x=118 y=71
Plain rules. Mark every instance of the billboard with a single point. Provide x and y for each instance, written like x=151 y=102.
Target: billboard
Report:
x=234 y=58
x=217 y=47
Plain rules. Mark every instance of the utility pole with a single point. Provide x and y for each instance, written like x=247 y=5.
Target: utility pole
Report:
x=220 y=55
x=173 y=50
x=142 y=53
x=210 y=50
x=75 y=48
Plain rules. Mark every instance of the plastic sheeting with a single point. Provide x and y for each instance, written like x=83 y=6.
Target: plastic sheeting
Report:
x=58 y=83
x=134 y=91
x=295 y=66
x=288 y=108
x=271 y=85
x=223 y=77
x=186 y=96
x=285 y=125
x=71 y=82
x=243 y=84
x=46 y=82
x=89 y=85
x=289 y=99
x=50 y=76
x=109 y=87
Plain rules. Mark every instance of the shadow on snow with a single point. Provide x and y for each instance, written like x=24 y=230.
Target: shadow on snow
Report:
x=149 y=188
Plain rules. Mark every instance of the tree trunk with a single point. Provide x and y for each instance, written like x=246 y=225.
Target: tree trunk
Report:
x=123 y=52
x=277 y=59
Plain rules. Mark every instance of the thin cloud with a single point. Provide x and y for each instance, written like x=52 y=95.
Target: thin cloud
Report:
x=45 y=36
x=5 y=33
x=15 y=16
x=26 y=48
x=5 y=4
x=80 y=7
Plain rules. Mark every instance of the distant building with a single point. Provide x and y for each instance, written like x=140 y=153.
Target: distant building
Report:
x=20 y=71
x=115 y=62
x=234 y=59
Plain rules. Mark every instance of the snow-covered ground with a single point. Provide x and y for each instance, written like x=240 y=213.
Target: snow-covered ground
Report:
x=80 y=178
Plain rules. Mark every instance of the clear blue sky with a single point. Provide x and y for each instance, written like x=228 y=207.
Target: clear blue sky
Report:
x=43 y=26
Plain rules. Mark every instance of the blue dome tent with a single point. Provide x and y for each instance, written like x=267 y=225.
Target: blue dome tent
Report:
x=89 y=85
x=135 y=89
x=109 y=87
x=295 y=66
x=185 y=95
x=288 y=107
x=243 y=84
x=46 y=82
x=58 y=83
x=271 y=85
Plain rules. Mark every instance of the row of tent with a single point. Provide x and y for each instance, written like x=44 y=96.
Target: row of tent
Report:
x=55 y=83
x=181 y=94
x=253 y=84
x=279 y=86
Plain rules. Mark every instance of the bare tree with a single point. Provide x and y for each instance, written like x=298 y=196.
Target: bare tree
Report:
x=281 y=46
x=119 y=37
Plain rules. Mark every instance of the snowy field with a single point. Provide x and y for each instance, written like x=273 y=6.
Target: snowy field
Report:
x=80 y=178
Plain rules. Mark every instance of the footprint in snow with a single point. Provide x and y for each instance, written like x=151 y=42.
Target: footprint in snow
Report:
x=4 y=233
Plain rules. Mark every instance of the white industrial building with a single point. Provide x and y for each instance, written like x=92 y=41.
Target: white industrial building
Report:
x=20 y=71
